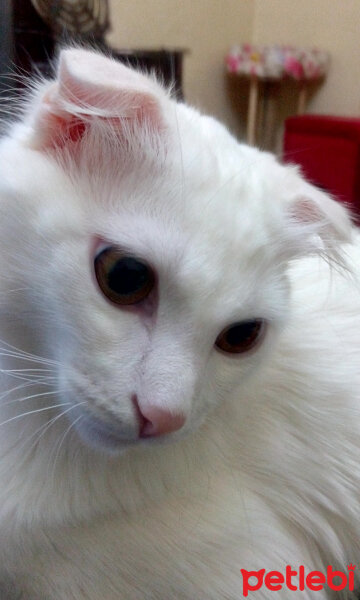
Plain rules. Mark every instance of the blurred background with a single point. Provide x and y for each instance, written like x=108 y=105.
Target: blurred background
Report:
x=188 y=41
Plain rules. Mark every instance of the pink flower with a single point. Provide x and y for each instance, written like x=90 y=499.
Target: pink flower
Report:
x=293 y=67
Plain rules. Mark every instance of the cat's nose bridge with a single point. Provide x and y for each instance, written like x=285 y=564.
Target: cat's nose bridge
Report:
x=165 y=388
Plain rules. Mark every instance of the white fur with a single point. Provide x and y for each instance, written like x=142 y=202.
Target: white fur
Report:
x=266 y=471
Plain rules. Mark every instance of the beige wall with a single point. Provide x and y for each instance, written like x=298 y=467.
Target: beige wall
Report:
x=333 y=25
x=209 y=27
x=206 y=27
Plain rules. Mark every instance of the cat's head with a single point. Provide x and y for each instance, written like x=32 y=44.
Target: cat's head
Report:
x=154 y=250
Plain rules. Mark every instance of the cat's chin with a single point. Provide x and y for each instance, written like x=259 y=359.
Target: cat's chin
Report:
x=104 y=437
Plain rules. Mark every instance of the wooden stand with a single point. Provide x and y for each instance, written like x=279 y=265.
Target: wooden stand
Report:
x=252 y=111
x=302 y=98
x=253 y=108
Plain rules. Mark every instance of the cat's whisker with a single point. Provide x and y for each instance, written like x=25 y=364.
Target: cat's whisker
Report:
x=15 y=389
x=31 y=412
x=31 y=374
x=33 y=370
x=28 y=376
x=19 y=352
x=62 y=440
x=20 y=387
x=41 y=379
x=21 y=289
x=44 y=428
x=30 y=397
x=24 y=357
x=21 y=378
x=51 y=392
x=34 y=380
x=47 y=381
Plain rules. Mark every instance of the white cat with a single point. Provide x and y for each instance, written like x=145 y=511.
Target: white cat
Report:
x=180 y=375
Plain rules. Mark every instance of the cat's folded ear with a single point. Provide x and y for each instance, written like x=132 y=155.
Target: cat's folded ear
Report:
x=90 y=88
x=314 y=221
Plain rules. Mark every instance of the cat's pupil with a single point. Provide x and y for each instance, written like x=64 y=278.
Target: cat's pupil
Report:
x=240 y=337
x=127 y=276
x=123 y=279
x=240 y=333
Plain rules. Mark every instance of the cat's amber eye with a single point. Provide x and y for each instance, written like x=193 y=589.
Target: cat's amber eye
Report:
x=241 y=337
x=123 y=279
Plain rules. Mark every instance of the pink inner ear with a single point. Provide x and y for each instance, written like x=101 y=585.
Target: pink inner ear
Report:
x=306 y=211
x=55 y=130
x=66 y=131
x=90 y=86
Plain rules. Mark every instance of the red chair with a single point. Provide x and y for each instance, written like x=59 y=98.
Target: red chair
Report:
x=328 y=151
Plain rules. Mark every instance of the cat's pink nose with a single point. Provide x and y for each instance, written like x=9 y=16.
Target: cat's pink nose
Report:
x=158 y=421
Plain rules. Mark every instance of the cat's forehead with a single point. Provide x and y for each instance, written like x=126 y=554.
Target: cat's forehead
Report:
x=201 y=214
x=204 y=183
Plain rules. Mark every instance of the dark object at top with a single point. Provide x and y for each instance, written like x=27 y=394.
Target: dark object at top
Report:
x=85 y=17
x=35 y=43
